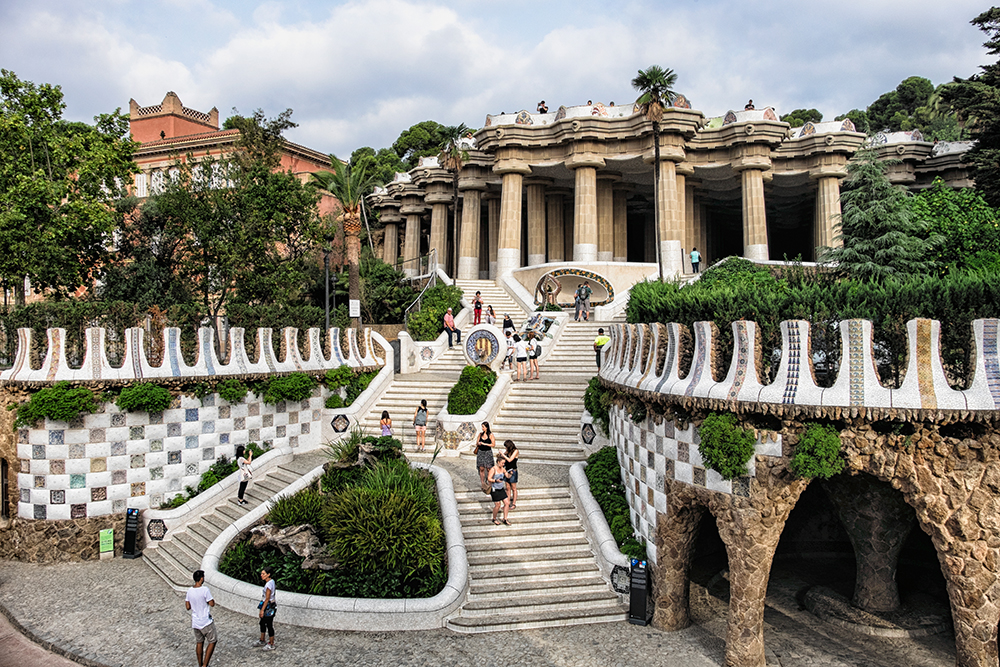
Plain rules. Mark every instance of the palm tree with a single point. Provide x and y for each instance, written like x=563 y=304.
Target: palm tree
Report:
x=655 y=91
x=349 y=186
x=451 y=158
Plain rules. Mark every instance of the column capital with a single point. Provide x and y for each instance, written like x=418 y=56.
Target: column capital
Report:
x=668 y=153
x=578 y=160
x=685 y=169
x=828 y=171
x=511 y=166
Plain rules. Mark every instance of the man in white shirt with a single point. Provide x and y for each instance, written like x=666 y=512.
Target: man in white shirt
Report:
x=199 y=601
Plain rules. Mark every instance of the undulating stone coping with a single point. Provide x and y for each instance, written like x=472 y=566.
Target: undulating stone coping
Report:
x=333 y=613
x=646 y=357
x=136 y=365
x=594 y=521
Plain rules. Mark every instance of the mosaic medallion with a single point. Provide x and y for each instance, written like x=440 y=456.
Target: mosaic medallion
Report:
x=482 y=347
x=340 y=423
x=156 y=529
x=588 y=433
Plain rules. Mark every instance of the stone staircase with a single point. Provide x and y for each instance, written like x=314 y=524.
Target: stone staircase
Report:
x=180 y=552
x=538 y=572
x=493 y=295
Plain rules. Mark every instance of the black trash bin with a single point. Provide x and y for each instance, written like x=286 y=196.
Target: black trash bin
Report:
x=639 y=593
x=131 y=530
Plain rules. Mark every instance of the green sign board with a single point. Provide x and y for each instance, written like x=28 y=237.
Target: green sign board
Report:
x=107 y=540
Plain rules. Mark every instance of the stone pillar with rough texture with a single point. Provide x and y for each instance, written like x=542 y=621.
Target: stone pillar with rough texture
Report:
x=390 y=243
x=468 y=254
x=676 y=536
x=827 y=214
x=877 y=520
x=412 y=207
x=536 y=220
x=509 y=247
x=556 y=226
x=585 y=206
x=605 y=217
x=754 y=215
x=493 y=214
x=670 y=220
x=621 y=224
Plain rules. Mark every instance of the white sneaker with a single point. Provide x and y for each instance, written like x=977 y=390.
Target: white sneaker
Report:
x=269 y=647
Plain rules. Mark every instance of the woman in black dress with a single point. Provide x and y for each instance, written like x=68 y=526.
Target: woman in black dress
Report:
x=484 y=452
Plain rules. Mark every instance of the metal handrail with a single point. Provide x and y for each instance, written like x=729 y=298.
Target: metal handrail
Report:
x=422 y=267
x=431 y=282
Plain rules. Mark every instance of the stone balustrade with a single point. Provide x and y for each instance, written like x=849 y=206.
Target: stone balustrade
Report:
x=136 y=365
x=646 y=357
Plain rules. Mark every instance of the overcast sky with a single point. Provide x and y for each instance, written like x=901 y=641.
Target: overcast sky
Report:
x=358 y=73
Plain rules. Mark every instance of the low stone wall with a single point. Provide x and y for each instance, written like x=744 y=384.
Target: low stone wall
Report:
x=34 y=541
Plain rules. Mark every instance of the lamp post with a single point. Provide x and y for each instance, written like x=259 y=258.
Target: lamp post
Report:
x=326 y=272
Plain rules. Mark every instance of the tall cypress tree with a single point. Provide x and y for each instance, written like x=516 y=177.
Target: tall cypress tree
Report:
x=880 y=236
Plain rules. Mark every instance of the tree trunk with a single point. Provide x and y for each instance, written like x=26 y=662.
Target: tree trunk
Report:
x=354 y=273
x=656 y=196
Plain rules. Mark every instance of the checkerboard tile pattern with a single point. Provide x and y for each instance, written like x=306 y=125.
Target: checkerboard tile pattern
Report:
x=650 y=454
x=111 y=460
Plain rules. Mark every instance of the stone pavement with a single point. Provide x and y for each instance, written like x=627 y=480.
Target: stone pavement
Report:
x=16 y=650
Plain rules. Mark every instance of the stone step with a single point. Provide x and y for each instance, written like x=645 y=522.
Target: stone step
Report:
x=572 y=583
x=538 y=602
x=183 y=557
x=532 y=493
x=534 y=542
x=167 y=569
x=538 y=571
x=532 y=620
x=500 y=555
x=486 y=529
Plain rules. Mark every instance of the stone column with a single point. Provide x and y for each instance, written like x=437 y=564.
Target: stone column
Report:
x=754 y=216
x=585 y=205
x=390 y=244
x=536 y=220
x=701 y=226
x=509 y=247
x=439 y=196
x=671 y=250
x=556 y=225
x=827 y=214
x=878 y=521
x=676 y=536
x=468 y=253
x=471 y=183
x=606 y=217
x=493 y=213
x=621 y=224
x=569 y=231
x=413 y=206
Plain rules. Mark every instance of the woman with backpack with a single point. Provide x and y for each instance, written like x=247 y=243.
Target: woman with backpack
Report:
x=420 y=424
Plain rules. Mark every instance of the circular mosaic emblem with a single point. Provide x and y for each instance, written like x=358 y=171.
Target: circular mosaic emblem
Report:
x=482 y=347
x=340 y=423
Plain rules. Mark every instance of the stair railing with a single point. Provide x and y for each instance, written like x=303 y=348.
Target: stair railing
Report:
x=431 y=277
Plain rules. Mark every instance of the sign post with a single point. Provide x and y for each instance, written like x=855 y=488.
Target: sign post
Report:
x=107 y=543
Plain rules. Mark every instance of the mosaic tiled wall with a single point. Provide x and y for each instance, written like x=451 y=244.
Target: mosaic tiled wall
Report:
x=646 y=357
x=104 y=462
x=650 y=454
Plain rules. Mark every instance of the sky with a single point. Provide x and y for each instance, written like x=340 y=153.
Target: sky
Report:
x=358 y=73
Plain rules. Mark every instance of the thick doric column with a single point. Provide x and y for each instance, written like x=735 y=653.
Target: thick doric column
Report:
x=555 y=219
x=585 y=205
x=493 y=213
x=413 y=206
x=827 y=211
x=536 y=220
x=754 y=164
x=606 y=216
x=509 y=248
x=671 y=220
x=471 y=183
x=439 y=196
x=390 y=243
x=621 y=223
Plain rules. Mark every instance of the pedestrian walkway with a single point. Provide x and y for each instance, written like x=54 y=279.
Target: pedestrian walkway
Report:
x=493 y=295
x=16 y=650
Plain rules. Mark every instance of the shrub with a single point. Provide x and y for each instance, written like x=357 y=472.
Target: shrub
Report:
x=725 y=447
x=357 y=385
x=371 y=530
x=295 y=387
x=597 y=400
x=818 y=452
x=604 y=475
x=428 y=322
x=338 y=479
x=469 y=393
x=338 y=377
x=232 y=390
x=305 y=506
x=334 y=401
x=424 y=325
x=60 y=402
x=144 y=397
x=396 y=476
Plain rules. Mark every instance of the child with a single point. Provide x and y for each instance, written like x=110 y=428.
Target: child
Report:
x=509 y=359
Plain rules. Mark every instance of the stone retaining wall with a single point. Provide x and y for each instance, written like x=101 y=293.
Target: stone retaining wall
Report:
x=54 y=541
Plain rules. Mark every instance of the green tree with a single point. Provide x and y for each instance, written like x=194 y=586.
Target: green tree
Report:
x=421 y=140
x=381 y=164
x=880 y=236
x=800 y=117
x=59 y=183
x=967 y=226
x=349 y=186
x=655 y=86
x=978 y=97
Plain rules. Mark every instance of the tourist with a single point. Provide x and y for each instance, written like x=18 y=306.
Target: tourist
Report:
x=243 y=458
x=749 y=106
x=477 y=309
x=420 y=424
x=542 y=108
x=536 y=352
x=509 y=359
x=510 y=456
x=590 y=103
x=385 y=423
x=695 y=260
x=521 y=354
x=491 y=317
x=577 y=302
x=585 y=293
x=508 y=324
x=498 y=480
x=484 y=452
x=199 y=601
x=600 y=342
x=450 y=328
x=268 y=608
